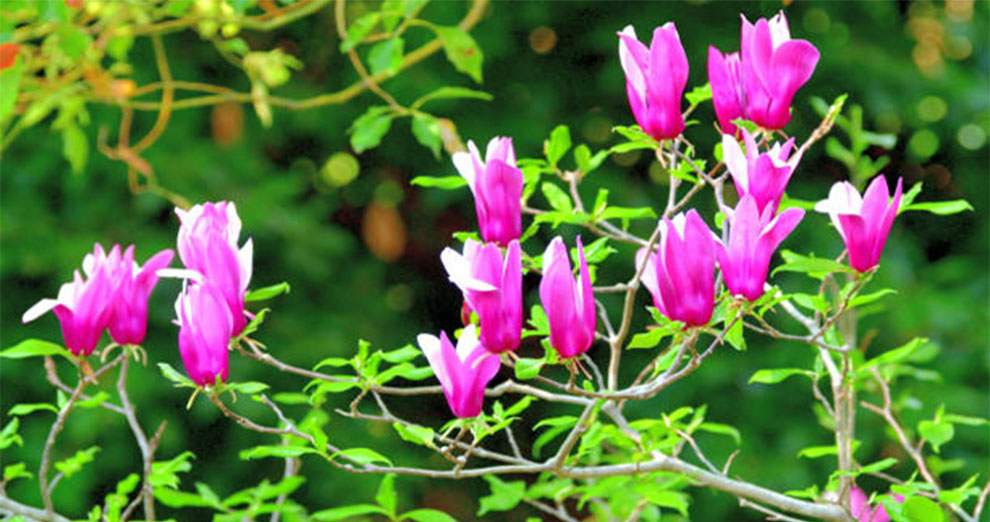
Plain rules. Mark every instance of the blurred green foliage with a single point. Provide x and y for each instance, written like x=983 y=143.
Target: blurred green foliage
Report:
x=918 y=69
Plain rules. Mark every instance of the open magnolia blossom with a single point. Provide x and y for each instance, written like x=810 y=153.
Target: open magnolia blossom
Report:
x=681 y=277
x=759 y=83
x=492 y=287
x=762 y=175
x=463 y=372
x=205 y=329
x=753 y=238
x=207 y=244
x=655 y=79
x=863 y=222
x=113 y=294
x=496 y=184
x=569 y=303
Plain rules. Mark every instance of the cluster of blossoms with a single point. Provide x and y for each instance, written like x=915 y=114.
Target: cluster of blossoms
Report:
x=114 y=293
x=756 y=84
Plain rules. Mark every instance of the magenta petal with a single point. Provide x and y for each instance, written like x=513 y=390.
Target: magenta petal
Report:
x=858 y=503
x=791 y=67
x=725 y=89
x=586 y=299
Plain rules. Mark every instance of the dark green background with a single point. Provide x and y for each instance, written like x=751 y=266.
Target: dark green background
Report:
x=309 y=235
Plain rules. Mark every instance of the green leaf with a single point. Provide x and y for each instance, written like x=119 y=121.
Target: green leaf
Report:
x=815 y=267
x=267 y=292
x=503 y=497
x=10 y=80
x=386 y=494
x=773 y=376
x=260 y=452
x=734 y=335
x=255 y=323
x=173 y=375
x=179 y=499
x=461 y=50
x=937 y=432
x=427 y=515
x=75 y=463
x=628 y=213
x=865 y=299
x=559 y=200
x=9 y=436
x=941 y=208
x=528 y=368
x=247 y=388
x=441 y=182
x=15 y=471
x=165 y=473
x=359 y=29
x=386 y=56
x=558 y=144
x=346 y=512
x=721 y=429
x=428 y=132
x=878 y=466
x=368 y=129
x=26 y=409
x=34 y=348
x=362 y=456
x=75 y=147
x=93 y=401
x=814 y=452
x=649 y=339
x=699 y=94
x=918 y=349
x=921 y=509
x=451 y=93
x=421 y=435
x=73 y=41
x=665 y=498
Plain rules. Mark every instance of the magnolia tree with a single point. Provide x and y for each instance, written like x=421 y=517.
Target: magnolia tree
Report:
x=710 y=277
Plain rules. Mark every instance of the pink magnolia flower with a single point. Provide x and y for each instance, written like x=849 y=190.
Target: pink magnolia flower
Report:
x=681 y=277
x=655 y=79
x=463 y=372
x=492 y=287
x=765 y=175
x=134 y=283
x=774 y=67
x=760 y=83
x=497 y=187
x=860 y=507
x=85 y=305
x=207 y=244
x=863 y=222
x=569 y=303
x=753 y=238
x=205 y=328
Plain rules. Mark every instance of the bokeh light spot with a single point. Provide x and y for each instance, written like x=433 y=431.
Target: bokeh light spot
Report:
x=340 y=169
x=923 y=144
x=542 y=40
x=971 y=136
x=932 y=108
x=816 y=21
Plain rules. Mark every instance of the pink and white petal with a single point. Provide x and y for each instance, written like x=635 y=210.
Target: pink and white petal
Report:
x=843 y=198
x=736 y=162
x=245 y=258
x=38 y=309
